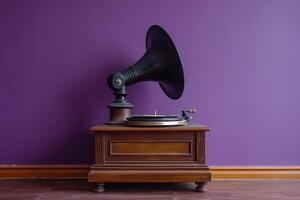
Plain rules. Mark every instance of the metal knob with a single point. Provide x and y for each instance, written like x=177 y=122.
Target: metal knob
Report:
x=186 y=116
x=118 y=82
x=191 y=110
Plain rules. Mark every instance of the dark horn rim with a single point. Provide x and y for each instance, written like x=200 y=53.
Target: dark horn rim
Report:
x=164 y=38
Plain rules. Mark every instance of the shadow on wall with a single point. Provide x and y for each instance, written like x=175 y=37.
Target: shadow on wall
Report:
x=85 y=105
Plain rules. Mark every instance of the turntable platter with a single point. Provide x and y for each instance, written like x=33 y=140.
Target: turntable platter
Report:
x=155 y=120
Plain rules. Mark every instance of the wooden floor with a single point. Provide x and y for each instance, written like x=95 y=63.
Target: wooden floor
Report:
x=79 y=189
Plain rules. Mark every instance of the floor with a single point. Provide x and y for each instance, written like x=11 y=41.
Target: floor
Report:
x=80 y=189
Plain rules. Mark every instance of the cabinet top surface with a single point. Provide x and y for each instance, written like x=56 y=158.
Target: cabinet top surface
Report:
x=190 y=127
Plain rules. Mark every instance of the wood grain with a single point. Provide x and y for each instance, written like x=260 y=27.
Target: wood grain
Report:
x=283 y=173
x=118 y=128
x=150 y=148
x=160 y=175
x=81 y=172
x=141 y=147
x=44 y=171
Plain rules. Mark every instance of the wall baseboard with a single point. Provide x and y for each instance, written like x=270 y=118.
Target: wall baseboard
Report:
x=253 y=172
x=81 y=171
x=44 y=171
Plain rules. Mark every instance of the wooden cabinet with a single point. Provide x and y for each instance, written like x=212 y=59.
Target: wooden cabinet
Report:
x=162 y=154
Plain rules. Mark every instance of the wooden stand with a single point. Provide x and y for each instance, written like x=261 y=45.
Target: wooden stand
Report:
x=147 y=154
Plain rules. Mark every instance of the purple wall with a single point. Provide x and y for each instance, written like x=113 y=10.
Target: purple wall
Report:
x=241 y=62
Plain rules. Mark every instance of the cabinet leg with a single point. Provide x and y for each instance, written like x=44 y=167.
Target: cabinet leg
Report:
x=201 y=187
x=99 y=188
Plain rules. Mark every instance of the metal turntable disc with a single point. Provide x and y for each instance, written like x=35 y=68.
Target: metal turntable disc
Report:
x=155 y=120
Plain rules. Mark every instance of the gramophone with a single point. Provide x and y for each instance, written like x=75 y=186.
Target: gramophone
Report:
x=149 y=148
x=160 y=63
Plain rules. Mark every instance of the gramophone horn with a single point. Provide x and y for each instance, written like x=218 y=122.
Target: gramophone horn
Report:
x=160 y=63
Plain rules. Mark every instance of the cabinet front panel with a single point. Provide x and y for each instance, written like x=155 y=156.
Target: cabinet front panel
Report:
x=131 y=147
